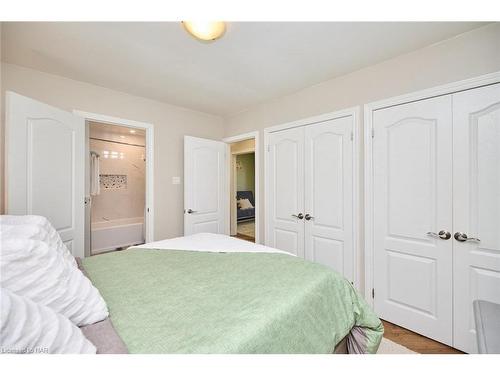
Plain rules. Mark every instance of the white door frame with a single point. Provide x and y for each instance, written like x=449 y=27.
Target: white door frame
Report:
x=369 y=108
x=149 y=215
x=237 y=138
x=355 y=112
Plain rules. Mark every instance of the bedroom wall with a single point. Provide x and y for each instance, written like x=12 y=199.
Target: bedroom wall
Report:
x=467 y=55
x=171 y=123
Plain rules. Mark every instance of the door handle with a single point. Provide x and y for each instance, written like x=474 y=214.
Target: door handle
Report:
x=190 y=211
x=308 y=217
x=299 y=216
x=443 y=234
x=462 y=237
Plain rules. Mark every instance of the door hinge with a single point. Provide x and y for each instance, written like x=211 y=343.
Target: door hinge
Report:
x=373 y=133
x=373 y=293
x=147 y=209
x=352 y=136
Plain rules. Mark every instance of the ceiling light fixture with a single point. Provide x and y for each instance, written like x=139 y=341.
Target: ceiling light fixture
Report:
x=205 y=30
x=132 y=131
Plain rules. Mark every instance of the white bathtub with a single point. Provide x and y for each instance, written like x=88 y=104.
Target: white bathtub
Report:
x=113 y=234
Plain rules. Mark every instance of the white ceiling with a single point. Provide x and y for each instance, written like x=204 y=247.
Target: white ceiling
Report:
x=253 y=62
x=117 y=133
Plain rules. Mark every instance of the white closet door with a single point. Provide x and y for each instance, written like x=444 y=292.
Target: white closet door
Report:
x=412 y=159
x=285 y=201
x=476 y=196
x=329 y=194
x=204 y=186
x=46 y=166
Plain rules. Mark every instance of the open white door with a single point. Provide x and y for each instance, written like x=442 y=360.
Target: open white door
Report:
x=45 y=149
x=205 y=195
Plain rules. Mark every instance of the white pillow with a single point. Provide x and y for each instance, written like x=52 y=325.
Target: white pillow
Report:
x=30 y=268
x=30 y=328
x=245 y=203
x=36 y=232
x=36 y=228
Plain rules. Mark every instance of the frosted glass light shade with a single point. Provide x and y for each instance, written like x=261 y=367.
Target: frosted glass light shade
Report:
x=205 y=30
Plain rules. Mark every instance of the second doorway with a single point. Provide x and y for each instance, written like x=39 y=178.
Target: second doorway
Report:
x=242 y=189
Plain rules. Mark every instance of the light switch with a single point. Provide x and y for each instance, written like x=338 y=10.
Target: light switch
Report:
x=176 y=180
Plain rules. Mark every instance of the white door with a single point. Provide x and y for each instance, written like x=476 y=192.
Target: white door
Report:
x=285 y=200
x=476 y=209
x=204 y=186
x=329 y=195
x=412 y=179
x=46 y=166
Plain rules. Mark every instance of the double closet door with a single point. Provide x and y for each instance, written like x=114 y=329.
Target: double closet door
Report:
x=436 y=212
x=310 y=193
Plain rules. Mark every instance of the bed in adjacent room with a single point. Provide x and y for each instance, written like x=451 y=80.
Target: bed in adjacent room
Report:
x=211 y=293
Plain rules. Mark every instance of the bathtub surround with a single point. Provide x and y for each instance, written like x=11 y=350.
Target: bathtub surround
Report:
x=117 y=213
x=122 y=172
x=109 y=235
x=122 y=182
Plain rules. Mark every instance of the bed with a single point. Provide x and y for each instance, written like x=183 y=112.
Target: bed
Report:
x=210 y=293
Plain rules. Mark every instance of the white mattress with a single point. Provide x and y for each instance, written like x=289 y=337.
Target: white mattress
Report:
x=210 y=242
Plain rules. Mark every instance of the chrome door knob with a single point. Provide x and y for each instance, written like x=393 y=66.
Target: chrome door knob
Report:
x=443 y=234
x=308 y=217
x=190 y=211
x=462 y=237
x=299 y=216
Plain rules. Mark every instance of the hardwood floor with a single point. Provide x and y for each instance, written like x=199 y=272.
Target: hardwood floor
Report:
x=416 y=342
x=244 y=237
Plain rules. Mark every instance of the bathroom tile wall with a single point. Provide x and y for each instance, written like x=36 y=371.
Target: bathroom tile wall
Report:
x=123 y=197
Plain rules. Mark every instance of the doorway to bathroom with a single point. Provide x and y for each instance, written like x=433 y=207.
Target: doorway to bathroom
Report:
x=119 y=183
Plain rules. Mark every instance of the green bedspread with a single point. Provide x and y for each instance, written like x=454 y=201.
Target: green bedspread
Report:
x=169 y=301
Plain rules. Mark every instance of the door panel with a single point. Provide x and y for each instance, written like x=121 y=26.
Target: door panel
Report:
x=204 y=181
x=412 y=159
x=329 y=194
x=476 y=189
x=286 y=190
x=46 y=166
x=56 y=198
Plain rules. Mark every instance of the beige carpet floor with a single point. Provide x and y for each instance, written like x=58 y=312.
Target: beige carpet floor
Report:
x=390 y=347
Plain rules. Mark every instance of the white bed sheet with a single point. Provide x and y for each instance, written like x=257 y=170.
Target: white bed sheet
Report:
x=210 y=242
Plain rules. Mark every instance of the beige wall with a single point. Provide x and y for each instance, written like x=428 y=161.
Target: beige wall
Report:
x=171 y=123
x=464 y=56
